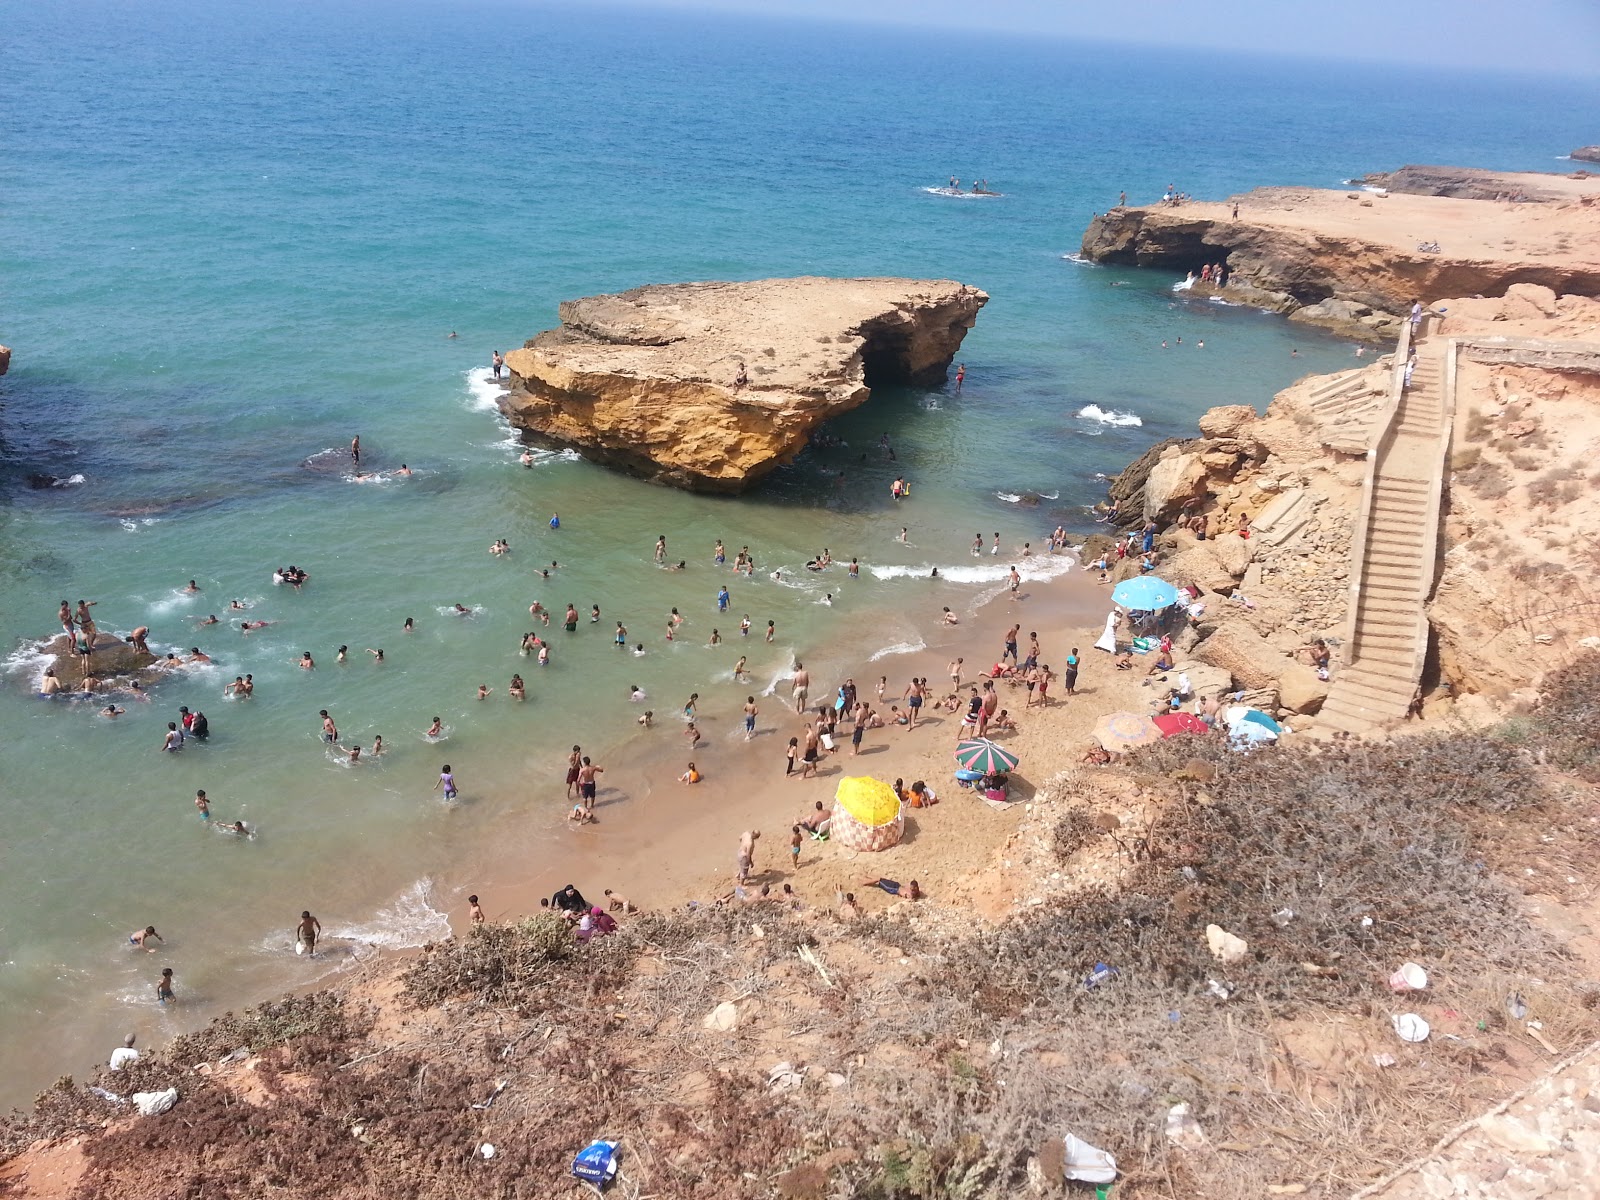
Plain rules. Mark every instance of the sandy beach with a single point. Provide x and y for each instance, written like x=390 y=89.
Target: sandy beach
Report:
x=660 y=842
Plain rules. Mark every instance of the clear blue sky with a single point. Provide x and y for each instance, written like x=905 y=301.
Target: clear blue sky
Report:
x=1560 y=36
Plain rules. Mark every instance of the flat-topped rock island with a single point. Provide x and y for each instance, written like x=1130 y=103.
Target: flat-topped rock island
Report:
x=709 y=386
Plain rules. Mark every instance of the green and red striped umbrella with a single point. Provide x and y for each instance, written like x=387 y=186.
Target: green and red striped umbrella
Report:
x=984 y=756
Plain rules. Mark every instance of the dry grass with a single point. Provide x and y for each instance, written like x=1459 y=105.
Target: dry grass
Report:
x=939 y=1067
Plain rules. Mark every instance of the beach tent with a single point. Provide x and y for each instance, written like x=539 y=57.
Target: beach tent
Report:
x=866 y=814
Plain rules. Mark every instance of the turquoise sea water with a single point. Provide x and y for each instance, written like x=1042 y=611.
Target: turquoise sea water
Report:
x=234 y=235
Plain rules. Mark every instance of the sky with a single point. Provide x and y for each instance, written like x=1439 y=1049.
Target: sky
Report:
x=1520 y=36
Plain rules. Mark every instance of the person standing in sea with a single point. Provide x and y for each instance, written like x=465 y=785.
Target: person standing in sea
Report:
x=497 y=364
x=355 y=450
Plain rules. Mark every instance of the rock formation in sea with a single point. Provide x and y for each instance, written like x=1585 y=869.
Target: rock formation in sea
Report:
x=5 y=359
x=709 y=386
x=1352 y=261
x=1586 y=154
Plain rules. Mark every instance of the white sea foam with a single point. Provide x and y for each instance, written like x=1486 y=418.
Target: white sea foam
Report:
x=963 y=195
x=1034 y=567
x=449 y=610
x=29 y=660
x=1093 y=412
x=898 y=648
x=1183 y=285
x=1009 y=497
x=69 y=481
x=1080 y=260
x=133 y=526
x=483 y=393
x=1220 y=300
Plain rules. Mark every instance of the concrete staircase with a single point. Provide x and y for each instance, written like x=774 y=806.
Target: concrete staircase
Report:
x=1393 y=550
x=1345 y=409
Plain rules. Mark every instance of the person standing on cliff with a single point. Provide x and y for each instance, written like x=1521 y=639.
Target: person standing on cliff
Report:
x=1122 y=199
x=497 y=364
x=741 y=376
x=1235 y=210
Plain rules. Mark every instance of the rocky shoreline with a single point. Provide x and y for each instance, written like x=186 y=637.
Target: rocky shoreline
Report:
x=710 y=386
x=1354 y=261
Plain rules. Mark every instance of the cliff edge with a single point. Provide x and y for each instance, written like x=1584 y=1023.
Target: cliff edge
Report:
x=709 y=386
x=1351 y=260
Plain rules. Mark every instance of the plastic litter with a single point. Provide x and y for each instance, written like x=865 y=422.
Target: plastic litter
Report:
x=486 y=1150
x=1100 y=974
x=784 y=1077
x=1410 y=1027
x=1516 y=1006
x=1408 y=977
x=596 y=1163
x=108 y=1097
x=1088 y=1164
x=153 y=1104
x=1183 y=1130
x=1282 y=917
x=1220 y=990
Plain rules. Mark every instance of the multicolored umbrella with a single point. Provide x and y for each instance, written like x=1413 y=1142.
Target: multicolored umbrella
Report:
x=1124 y=730
x=1144 y=593
x=985 y=757
x=1171 y=723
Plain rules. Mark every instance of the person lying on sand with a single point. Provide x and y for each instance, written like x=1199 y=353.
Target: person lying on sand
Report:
x=1096 y=755
x=911 y=891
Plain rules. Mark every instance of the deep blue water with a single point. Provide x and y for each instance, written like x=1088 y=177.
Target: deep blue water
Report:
x=233 y=234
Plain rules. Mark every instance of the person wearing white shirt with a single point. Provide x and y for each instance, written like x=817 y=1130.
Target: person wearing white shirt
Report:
x=124 y=1054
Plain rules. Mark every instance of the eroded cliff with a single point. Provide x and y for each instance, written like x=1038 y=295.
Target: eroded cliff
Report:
x=709 y=386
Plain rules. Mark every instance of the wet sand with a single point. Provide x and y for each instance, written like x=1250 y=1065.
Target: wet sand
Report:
x=660 y=842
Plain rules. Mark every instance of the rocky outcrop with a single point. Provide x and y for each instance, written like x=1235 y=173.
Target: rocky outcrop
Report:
x=1356 y=256
x=1586 y=154
x=1462 y=183
x=5 y=359
x=709 y=386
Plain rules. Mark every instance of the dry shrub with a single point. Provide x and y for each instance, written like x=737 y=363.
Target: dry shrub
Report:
x=1555 y=487
x=1487 y=479
x=1073 y=831
x=499 y=964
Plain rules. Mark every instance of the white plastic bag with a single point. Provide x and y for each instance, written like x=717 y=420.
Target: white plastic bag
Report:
x=1088 y=1164
x=152 y=1104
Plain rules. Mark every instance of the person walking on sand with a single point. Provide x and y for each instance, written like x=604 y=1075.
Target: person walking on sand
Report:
x=306 y=934
x=750 y=710
x=801 y=687
x=808 y=758
x=913 y=698
x=955 y=673
x=795 y=838
x=747 y=853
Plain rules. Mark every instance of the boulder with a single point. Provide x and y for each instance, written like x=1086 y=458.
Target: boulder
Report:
x=1586 y=154
x=1529 y=300
x=1240 y=651
x=5 y=359
x=1227 y=421
x=724 y=1018
x=1204 y=679
x=1197 y=564
x=1175 y=481
x=710 y=386
x=1232 y=552
x=1299 y=689
x=1127 y=488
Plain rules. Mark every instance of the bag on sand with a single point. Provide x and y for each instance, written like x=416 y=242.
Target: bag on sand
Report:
x=596 y=1163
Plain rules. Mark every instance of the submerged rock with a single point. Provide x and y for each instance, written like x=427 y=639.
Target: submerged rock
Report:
x=710 y=386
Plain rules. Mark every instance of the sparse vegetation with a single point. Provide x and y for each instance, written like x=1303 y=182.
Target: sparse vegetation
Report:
x=939 y=1065
x=1488 y=479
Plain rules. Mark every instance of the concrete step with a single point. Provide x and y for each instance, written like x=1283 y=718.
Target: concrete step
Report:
x=1403 y=661
x=1387 y=700
x=1401 y=483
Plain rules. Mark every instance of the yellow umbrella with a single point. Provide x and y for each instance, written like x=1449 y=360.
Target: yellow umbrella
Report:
x=870 y=801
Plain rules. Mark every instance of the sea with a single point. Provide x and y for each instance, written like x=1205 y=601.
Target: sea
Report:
x=235 y=235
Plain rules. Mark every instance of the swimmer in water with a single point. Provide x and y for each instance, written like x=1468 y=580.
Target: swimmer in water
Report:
x=247 y=626
x=307 y=663
x=111 y=710
x=435 y=729
x=195 y=655
x=377 y=655
x=463 y=610
x=409 y=626
x=211 y=620
x=404 y=470
x=236 y=605
x=377 y=745
x=192 y=587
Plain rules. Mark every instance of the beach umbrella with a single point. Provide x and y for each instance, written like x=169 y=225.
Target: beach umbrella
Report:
x=1171 y=723
x=1240 y=715
x=1247 y=733
x=1144 y=593
x=985 y=757
x=1124 y=730
x=866 y=814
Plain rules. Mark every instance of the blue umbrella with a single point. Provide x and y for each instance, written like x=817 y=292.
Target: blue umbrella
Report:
x=1145 y=593
x=1240 y=715
x=1248 y=733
